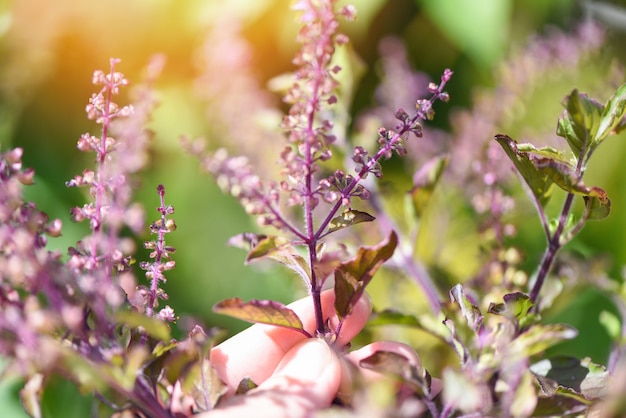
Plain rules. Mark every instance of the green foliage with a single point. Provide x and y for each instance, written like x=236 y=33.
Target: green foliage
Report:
x=348 y=218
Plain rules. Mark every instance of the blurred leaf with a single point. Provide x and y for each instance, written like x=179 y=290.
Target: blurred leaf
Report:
x=613 y=113
x=163 y=347
x=539 y=183
x=597 y=207
x=190 y=366
x=260 y=312
x=547 y=152
x=566 y=129
x=246 y=241
x=160 y=354
x=389 y=362
x=281 y=250
x=126 y=373
x=389 y=317
x=266 y=246
x=245 y=385
x=155 y=328
x=470 y=312
x=352 y=276
x=611 y=323
x=562 y=404
x=516 y=390
x=525 y=399
x=564 y=175
x=327 y=263
x=580 y=122
x=30 y=395
x=580 y=378
x=516 y=305
x=88 y=377
x=348 y=218
x=207 y=388
x=461 y=349
x=424 y=182
x=542 y=336
x=479 y=28
x=462 y=392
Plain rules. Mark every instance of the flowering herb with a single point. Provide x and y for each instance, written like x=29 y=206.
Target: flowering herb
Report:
x=85 y=315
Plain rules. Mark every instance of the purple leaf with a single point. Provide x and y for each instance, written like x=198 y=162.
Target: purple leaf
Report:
x=261 y=312
x=352 y=276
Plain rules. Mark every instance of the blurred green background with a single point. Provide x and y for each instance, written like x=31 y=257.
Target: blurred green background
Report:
x=49 y=49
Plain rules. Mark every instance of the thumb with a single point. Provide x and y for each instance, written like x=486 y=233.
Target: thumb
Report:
x=306 y=379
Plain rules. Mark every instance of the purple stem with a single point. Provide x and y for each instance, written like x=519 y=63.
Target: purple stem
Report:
x=554 y=245
x=407 y=126
x=554 y=241
x=160 y=244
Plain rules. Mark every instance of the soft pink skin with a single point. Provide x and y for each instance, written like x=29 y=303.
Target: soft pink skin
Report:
x=296 y=375
x=256 y=352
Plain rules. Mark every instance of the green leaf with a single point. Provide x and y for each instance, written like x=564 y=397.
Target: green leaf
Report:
x=478 y=28
x=525 y=399
x=540 y=337
x=189 y=366
x=516 y=305
x=267 y=246
x=597 y=207
x=88 y=376
x=260 y=312
x=155 y=328
x=584 y=111
x=425 y=181
x=281 y=250
x=547 y=152
x=613 y=113
x=564 y=175
x=611 y=323
x=515 y=388
x=389 y=317
x=348 y=218
x=352 y=276
x=579 y=124
x=207 y=388
x=470 y=312
x=539 y=183
x=245 y=386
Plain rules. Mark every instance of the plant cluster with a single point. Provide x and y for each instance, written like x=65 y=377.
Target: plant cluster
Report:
x=110 y=334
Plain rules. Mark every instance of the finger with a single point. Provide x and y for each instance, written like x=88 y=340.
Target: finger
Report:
x=256 y=351
x=307 y=379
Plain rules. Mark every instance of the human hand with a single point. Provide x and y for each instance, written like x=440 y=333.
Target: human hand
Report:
x=295 y=375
